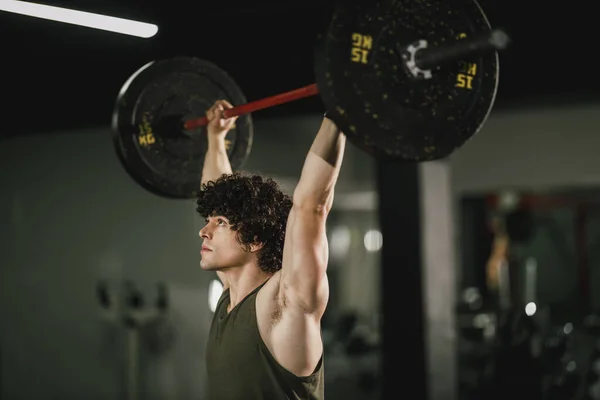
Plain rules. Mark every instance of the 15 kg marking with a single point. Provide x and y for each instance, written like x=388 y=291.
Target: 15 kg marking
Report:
x=361 y=46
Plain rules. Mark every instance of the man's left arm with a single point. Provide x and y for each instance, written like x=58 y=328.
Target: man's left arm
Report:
x=305 y=255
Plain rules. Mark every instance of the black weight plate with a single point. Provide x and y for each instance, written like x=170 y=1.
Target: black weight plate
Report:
x=148 y=124
x=327 y=82
x=334 y=113
x=389 y=113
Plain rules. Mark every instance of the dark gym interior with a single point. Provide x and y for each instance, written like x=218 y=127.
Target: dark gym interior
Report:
x=483 y=265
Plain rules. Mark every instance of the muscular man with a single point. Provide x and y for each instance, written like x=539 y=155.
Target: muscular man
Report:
x=270 y=251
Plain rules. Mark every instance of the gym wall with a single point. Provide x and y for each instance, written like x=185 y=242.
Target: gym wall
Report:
x=542 y=147
x=70 y=217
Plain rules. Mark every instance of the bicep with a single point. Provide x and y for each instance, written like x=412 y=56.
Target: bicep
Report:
x=305 y=258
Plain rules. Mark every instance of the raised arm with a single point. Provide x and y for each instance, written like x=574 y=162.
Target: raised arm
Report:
x=305 y=256
x=216 y=160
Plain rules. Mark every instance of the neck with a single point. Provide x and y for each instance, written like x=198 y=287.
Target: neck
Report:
x=244 y=280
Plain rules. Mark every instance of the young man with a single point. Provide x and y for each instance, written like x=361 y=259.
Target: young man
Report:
x=270 y=251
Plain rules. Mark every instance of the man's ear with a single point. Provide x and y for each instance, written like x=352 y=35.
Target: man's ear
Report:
x=254 y=247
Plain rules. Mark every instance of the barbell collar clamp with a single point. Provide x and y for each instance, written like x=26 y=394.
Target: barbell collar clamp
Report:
x=429 y=57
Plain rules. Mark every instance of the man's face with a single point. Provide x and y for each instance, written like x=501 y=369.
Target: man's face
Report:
x=220 y=249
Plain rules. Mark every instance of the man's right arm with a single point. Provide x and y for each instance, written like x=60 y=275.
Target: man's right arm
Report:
x=216 y=161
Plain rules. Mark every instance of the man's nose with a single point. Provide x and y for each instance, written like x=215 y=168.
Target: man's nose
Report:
x=203 y=233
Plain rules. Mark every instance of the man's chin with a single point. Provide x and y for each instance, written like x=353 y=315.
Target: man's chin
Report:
x=207 y=267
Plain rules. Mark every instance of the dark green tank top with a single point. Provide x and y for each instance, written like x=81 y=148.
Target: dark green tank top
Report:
x=240 y=366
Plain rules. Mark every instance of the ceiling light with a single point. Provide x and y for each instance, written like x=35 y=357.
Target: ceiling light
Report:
x=81 y=18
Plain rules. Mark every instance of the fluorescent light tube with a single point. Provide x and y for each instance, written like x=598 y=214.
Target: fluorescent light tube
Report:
x=81 y=18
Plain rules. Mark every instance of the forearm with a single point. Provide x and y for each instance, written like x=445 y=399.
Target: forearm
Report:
x=216 y=161
x=321 y=168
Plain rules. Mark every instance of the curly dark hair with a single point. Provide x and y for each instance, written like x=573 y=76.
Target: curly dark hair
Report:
x=256 y=208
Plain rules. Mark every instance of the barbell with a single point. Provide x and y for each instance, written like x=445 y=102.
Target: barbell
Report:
x=406 y=80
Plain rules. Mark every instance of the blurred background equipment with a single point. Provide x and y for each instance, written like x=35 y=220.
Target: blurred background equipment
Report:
x=542 y=340
x=144 y=322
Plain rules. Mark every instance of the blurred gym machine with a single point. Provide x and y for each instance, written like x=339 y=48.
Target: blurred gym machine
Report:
x=591 y=378
x=141 y=318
